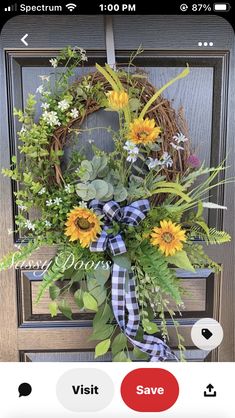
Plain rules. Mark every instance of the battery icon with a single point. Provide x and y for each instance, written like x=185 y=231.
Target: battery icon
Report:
x=221 y=7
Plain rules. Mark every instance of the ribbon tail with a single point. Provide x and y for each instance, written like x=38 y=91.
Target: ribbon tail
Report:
x=122 y=301
x=118 y=294
x=132 y=308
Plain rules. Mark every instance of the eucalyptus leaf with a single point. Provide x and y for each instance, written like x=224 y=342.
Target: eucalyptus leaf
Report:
x=120 y=193
x=85 y=191
x=85 y=170
x=85 y=164
x=109 y=194
x=101 y=187
x=99 y=163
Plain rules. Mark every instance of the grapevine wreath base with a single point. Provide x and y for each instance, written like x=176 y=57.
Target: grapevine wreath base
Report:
x=121 y=221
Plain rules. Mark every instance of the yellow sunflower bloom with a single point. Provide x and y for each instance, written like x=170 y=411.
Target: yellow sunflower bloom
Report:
x=142 y=131
x=169 y=237
x=82 y=225
x=117 y=100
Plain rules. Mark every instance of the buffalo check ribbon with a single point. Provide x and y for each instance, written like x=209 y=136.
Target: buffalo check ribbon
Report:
x=123 y=282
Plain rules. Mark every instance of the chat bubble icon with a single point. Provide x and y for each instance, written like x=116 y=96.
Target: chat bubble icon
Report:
x=24 y=389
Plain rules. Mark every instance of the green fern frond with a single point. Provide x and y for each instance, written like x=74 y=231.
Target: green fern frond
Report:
x=54 y=273
x=213 y=236
x=22 y=254
x=155 y=265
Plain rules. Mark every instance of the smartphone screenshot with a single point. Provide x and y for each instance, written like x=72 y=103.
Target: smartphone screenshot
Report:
x=117 y=183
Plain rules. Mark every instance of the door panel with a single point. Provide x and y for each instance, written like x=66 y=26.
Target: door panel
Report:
x=188 y=94
x=27 y=331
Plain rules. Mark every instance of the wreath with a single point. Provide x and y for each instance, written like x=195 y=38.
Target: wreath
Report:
x=122 y=221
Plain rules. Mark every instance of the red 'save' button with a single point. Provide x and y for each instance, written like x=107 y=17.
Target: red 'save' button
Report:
x=149 y=390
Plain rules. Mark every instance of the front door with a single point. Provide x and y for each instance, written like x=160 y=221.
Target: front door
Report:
x=27 y=331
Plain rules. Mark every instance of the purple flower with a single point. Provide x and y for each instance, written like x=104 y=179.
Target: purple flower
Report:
x=193 y=161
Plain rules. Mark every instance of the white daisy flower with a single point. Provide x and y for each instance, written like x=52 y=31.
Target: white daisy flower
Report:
x=18 y=246
x=166 y=160
x=42 y=191
x=83 y=54
x=68 y=188
x=46 y=93
x=22 y=207
x=49 y=202
x=74 y=113
x=45 y=106
x=152 y=163
x=44 y=77
x=178 y=138
x=177 y=147
x=54 y=62
x=23 y=129
x=63 y=105
x=82 y=204
x=47 y=223
x=29 y=225
x=131 y=147
x=57 y=200
x=132 y=157
x=81 y=50
x=51 y=118
x=39 y=89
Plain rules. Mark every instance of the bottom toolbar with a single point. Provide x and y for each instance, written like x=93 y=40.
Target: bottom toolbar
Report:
x=117 y=390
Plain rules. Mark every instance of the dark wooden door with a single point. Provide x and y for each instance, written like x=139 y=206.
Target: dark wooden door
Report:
x=27 y=332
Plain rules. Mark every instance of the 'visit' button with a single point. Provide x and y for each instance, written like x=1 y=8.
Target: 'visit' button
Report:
x=149 y=390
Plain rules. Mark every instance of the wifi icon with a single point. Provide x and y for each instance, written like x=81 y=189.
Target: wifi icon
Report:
x=71 y=6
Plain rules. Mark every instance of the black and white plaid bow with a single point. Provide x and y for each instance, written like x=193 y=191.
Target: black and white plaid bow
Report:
x=129 y=215
x=123 y=281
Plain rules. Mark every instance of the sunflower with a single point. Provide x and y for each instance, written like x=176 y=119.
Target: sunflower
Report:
x=169 y=237
x=142 y=131
x=82 y=225
x=117 y=100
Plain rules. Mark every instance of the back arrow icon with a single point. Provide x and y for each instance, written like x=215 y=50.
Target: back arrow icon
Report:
x=23 y=39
